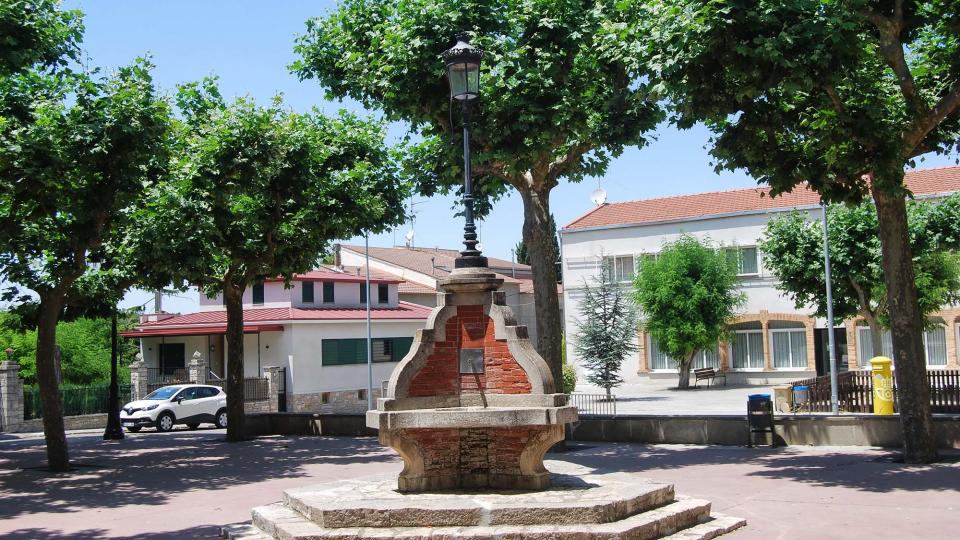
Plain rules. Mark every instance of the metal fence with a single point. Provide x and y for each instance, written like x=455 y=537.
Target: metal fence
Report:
x=594 y=404
x=77 y=401
x=255 y=389
x=159 y=377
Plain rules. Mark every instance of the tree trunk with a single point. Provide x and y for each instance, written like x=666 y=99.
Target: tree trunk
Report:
x=906 y=327
x=538 y=237
x=58 y=457
x=233 y=300
x=683 y=370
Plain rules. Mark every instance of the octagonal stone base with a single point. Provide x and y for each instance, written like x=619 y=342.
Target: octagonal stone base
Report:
x=578 y=505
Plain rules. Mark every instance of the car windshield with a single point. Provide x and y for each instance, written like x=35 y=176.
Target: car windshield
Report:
x=163 y=393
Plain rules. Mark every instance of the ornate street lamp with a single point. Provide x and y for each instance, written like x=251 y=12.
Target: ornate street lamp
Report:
x=463 y=71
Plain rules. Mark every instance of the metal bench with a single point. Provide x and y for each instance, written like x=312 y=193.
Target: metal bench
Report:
x=708 y=374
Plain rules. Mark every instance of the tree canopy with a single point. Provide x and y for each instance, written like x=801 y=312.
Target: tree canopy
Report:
x=840 y=95
x=793 y=250
x=259 y=192
x=560 y=97
x=76 y=151
x=36 y=33
x=688 y=296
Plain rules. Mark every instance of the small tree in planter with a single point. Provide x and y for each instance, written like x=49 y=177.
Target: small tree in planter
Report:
x=688 y=295
x=607 y=330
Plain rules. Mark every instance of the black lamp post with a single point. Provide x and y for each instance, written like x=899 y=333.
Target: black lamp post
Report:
x=463 y=71
x=113 y=431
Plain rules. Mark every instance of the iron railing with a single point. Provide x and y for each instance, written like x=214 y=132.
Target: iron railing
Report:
x=77 y=401
x=594 y=404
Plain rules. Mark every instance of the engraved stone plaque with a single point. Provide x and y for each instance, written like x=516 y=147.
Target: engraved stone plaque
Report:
x=471 y=360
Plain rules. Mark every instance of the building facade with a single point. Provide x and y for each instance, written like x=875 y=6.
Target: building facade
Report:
x=772 y=340
x=314 y=330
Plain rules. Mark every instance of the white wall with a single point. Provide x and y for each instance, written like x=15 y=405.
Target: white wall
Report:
x=583 y=250
x=345 y=294
x=309 y=375
x=150 y=348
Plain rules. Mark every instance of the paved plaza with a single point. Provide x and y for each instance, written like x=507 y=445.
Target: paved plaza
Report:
x=186 y=484
x=661 y=397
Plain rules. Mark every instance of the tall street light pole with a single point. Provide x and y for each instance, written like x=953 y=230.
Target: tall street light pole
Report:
x=834 y=396
x=463 y=71
x=114 y=431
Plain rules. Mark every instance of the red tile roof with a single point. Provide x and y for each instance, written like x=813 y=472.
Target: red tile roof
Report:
x=438 y=262
x=681 y=207
x=214 y=322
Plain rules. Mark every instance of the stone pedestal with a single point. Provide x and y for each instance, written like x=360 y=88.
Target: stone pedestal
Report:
x=198 y=368
x=472 y=405
x=273 y=374
x=11 y=396
x=138 y=378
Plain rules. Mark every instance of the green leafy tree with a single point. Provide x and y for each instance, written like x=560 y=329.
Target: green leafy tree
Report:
x=842 y=95
x=76 y=151
x=793 y=250
x=607 y=330
x=37 y=34
x=561 y=96
x=259 y=192
x=688 y=295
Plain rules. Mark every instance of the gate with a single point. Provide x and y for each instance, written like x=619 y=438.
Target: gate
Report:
x=282 y=391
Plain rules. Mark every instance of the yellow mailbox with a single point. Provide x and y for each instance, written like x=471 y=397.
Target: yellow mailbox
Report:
x=882 y=385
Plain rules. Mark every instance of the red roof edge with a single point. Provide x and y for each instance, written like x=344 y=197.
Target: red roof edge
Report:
x=199 y=330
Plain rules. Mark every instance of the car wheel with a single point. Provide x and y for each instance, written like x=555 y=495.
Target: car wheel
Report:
x=193 y=426
x=165 y=422
x=221 y=420
x=134 y=429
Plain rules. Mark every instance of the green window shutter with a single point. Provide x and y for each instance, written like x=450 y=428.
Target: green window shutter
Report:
x=327 y=292
x=363 y=293
x=307 y=292
x=339 y=352
x=401 y=346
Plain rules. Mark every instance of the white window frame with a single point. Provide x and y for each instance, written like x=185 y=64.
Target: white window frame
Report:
x=650 y=359
x=616 y=276
x=864 y=362
x=739 y=252
x=926 y=350
x=762 y=359
x=792 y=366
x=701 y=354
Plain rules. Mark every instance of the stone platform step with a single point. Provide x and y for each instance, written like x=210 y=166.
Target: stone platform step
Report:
x=718 y=525
x=374 y=502
x=281 y=522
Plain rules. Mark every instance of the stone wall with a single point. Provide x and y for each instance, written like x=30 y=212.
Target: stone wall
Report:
x=333 y=402
x=87 y=421
x=802 y=430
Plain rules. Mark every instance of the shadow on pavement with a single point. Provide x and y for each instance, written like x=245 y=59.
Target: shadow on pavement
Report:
x=209 y=531
x=864 y=471
x=147 y=468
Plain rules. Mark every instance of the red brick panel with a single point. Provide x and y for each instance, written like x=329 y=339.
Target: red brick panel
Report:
x=470 y=328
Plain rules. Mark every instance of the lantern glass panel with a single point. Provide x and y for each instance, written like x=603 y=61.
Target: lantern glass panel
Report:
x=464 y=80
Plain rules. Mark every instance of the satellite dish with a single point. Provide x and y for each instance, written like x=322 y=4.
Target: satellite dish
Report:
x=479 y=246
x=409 y=235
x=599 y=196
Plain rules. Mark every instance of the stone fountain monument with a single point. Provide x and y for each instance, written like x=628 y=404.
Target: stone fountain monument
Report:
x=472 y=409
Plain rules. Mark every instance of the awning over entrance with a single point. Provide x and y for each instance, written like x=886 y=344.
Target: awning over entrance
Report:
x=199 y=330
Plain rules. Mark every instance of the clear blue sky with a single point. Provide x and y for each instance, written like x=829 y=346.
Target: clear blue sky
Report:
x=249 y=45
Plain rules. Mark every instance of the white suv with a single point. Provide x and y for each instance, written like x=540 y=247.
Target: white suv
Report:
x=189 y=404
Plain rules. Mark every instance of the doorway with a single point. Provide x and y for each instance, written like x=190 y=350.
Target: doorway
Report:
x=822 y=345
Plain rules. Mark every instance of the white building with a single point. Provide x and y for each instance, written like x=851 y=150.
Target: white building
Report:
x=420 y=268
x=315 y=330
x=773 y=341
